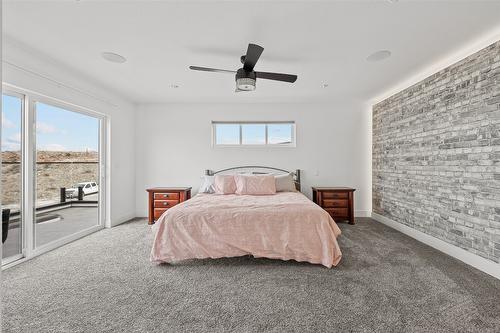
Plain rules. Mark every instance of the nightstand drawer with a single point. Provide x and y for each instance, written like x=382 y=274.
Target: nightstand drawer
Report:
x=335 y=203
x=158 y=212
x=334 y=195
x=165 y=196
x=165 y=203
x=338 y=212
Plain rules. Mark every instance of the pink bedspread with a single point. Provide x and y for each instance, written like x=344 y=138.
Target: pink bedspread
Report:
x=282 y=226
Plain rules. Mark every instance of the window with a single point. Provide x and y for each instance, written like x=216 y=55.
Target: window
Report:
x=280 y=134
x=253 y=134
x=227 y=134
x=275 y=133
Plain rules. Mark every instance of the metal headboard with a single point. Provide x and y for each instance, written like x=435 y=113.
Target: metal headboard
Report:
x=295 y=174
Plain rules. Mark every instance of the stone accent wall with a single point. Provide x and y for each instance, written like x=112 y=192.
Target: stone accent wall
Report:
x=436 y=155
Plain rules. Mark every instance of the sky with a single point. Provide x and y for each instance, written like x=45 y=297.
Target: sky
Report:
x=227 y=134
x=56 y=129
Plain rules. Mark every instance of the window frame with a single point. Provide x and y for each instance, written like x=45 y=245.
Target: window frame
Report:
x=293 y=143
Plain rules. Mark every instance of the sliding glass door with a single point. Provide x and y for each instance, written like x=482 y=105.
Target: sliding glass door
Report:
x=67 y=173
x=53 y=178
x=12 y=177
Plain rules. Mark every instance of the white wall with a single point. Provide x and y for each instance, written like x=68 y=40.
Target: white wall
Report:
x=25 y=69
x=174 y=145
x=170 y=145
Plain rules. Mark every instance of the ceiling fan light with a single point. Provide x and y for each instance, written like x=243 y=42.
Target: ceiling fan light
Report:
x=245 y=83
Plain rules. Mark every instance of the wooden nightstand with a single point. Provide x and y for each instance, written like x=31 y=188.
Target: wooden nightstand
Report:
x=162 y=198
x=337 y=201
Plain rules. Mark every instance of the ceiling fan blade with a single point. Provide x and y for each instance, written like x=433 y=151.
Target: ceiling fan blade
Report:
x=253 y=54
x=277 y=76
x=206 y=69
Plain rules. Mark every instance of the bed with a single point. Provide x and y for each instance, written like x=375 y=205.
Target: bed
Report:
x=286 y=226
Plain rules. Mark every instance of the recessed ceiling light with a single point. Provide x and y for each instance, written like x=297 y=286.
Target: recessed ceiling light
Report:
x=174 y=86
x=379 y=55
x=325 y=85
x=113 y=57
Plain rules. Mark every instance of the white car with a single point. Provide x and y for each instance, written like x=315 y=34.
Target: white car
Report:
x=88 y=188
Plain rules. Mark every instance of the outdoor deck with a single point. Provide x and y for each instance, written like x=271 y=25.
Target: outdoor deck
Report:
x=66 y=221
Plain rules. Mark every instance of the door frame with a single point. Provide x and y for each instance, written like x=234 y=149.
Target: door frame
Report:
x=28 y=162
x=22 y=97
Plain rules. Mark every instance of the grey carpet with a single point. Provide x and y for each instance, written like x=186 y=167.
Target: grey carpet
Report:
x=386 y=282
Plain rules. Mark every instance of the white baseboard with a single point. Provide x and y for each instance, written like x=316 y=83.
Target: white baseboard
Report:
x=362 y=213
x=467 y=257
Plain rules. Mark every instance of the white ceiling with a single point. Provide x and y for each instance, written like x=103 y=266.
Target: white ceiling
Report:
x=320 y=41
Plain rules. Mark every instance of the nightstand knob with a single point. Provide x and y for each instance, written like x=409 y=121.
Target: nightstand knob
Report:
x=165 y=204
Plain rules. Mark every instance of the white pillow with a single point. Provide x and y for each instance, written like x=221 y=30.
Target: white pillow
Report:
x=285 y=183
x=208 y=185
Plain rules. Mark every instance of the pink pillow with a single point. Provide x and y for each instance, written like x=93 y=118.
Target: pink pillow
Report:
x=224 y=184
x=255 y=185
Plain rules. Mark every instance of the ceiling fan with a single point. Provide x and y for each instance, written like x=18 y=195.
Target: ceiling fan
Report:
x=246 y=76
